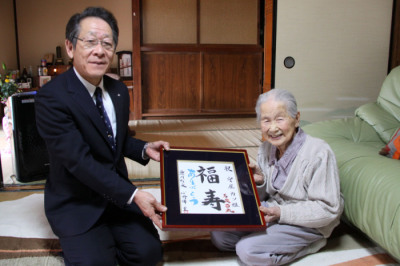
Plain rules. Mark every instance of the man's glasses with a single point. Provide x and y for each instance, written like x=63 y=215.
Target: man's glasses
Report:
x=92 y=43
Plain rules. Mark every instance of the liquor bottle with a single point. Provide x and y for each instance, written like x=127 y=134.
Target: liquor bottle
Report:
x=44 y=67
x=29 y=77
x=24 y=76
x=30 y=71
x=40 y=71
x=59 y=60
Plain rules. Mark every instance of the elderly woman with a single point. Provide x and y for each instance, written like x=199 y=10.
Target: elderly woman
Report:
x=298 y=185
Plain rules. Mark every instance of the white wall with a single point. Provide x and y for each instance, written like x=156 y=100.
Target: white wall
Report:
x=341 y=49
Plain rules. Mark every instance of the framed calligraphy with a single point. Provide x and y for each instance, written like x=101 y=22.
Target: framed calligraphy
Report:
x=209 y=189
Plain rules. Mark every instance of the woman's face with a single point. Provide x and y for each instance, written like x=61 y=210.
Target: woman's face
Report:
x=277 y=126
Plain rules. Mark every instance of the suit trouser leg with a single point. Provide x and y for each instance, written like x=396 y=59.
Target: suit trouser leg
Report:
x=137 y=239
x=119 y=237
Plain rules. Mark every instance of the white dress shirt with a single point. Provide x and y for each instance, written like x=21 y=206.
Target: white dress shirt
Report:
x=108 y=105
x=107 y=102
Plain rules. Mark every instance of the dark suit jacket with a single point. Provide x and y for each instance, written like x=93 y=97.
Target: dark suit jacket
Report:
x=85 y=175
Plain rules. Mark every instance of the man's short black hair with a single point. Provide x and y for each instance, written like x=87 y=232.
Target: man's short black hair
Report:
x=73 y=26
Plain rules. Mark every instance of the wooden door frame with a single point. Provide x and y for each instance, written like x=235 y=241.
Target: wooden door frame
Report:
x=269 y=33
x=269 y=44
x=394 y=56
x=136 y=60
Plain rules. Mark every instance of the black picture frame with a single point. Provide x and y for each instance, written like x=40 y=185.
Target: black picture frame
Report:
x=174 y=219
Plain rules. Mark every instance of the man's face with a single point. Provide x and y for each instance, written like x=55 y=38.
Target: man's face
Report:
x=92 y=62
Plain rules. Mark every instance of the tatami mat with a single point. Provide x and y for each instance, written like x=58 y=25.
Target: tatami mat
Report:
x=26 y=239
x=152 y=170
x=229 y=133
x=226 y=133
x=207 y=139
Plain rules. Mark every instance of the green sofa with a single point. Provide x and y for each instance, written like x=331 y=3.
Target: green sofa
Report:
x=370 y=182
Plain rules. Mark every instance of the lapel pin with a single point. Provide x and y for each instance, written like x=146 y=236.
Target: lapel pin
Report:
x=119 y=94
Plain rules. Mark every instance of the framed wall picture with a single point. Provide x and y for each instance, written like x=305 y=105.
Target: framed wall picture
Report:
x=125 y=65
x=209 y=189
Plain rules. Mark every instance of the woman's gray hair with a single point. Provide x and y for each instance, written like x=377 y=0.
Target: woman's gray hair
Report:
x=280 y=95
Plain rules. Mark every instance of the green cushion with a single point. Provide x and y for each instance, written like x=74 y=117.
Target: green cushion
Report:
x=369 y=182
x=370 y=185
x=383 y=122
x=389 y=96
x=350 y=129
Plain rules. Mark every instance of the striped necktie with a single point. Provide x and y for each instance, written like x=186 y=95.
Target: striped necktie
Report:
x=104 y=116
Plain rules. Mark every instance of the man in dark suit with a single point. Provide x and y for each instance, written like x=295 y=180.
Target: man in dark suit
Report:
x=100 y=217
